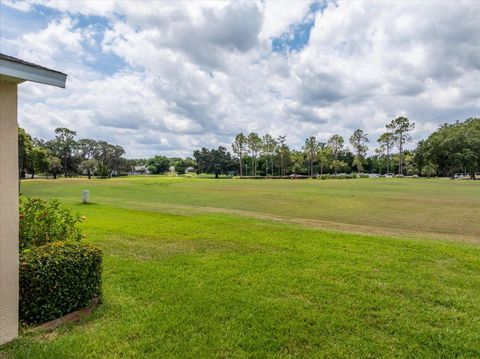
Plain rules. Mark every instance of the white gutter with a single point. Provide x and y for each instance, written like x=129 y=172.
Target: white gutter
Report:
x=23 y=72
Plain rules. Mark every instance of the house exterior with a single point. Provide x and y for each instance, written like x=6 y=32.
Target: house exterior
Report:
x=13 y=71
x=139 y=170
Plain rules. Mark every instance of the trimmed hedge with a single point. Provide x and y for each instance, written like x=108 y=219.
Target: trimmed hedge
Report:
x=58 y=278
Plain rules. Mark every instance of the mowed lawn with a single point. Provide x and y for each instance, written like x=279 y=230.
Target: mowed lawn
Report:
x=198 y=268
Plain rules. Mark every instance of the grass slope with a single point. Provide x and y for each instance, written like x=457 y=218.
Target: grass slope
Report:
x=185 y=283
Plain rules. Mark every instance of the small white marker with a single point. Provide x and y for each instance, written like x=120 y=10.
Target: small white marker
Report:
x=85 y=195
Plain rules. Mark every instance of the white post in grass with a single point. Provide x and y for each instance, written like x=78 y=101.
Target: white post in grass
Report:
x=85 y=195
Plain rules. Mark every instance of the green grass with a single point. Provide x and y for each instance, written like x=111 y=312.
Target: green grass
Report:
x=238 y=268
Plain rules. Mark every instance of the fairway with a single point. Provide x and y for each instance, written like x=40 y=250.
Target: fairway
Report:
x=199 y=268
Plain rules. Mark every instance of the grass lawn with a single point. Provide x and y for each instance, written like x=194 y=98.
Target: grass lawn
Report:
x=198 y=268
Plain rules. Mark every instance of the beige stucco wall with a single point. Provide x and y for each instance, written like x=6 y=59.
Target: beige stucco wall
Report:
x=8 y=212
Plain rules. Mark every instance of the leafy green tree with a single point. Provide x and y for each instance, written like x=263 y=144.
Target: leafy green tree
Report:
x=386 y=142
x=358 y=142
x=216 y=161
x=89 y=167
x=409 y=163
x=239 y=147
x=158 y=164
x=39 y=160
x=324 y=156
x=335 y=143
x=298 y=162
x=429 y=170
x=310 y=148
x=63 y=146
x=400 y=127
x=182 y=165
x=254 y=143
x=54 y=166
x=87 y=149
x=24 y=150
x=454 y=148
x=110 y=156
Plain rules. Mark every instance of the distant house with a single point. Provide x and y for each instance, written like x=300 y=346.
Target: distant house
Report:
x=13 y=71
x=190 y=170
x=139 y=170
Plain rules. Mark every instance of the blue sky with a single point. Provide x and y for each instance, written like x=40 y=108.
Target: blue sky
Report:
x=169 y=77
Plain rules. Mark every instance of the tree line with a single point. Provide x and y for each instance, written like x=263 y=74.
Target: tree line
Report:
x=67 y=156
x=269 y=156
x=452 y=148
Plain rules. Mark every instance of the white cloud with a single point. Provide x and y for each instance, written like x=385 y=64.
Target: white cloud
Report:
x=192 y=74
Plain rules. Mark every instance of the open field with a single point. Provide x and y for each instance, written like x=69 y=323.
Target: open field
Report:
x=278 y=268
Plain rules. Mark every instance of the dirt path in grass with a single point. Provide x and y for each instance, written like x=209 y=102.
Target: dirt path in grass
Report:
x=321 y=224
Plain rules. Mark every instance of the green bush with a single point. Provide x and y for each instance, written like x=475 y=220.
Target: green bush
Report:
x=363 y=175
x=43 y=222
x=58 y=278
x=354 y=175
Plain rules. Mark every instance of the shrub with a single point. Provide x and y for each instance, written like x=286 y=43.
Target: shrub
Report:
x=363 y=175
x=42 y=222
x=354 y=175
x=58 y=278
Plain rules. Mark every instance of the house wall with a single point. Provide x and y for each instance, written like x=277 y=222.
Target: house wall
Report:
x=8 y=212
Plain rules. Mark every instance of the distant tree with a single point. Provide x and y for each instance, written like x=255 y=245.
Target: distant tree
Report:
x=409 y=163
x=63 y=145
x=386 y=142
x=39 y=161
x=298 y=162
x=87 y=149
x=310 y=148
x=335 y=143
x=110 y=156
x=182 y=165
x=254 y=145
x=89 y=167
x=24 y=150
x=239 y=147
x=358 y=142
x=268 y=149
x=65 y=139
x=429 y=170
x=400 y=127
x=283 y=152
x=158 y=164
x=324 y=156
x=216 y=161
x=54 y=166
x=454 y=148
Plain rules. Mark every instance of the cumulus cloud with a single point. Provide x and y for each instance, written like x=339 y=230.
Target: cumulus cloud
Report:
x=174 y=76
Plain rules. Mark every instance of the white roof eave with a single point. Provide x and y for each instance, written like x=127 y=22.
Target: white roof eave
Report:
x=24 y=72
